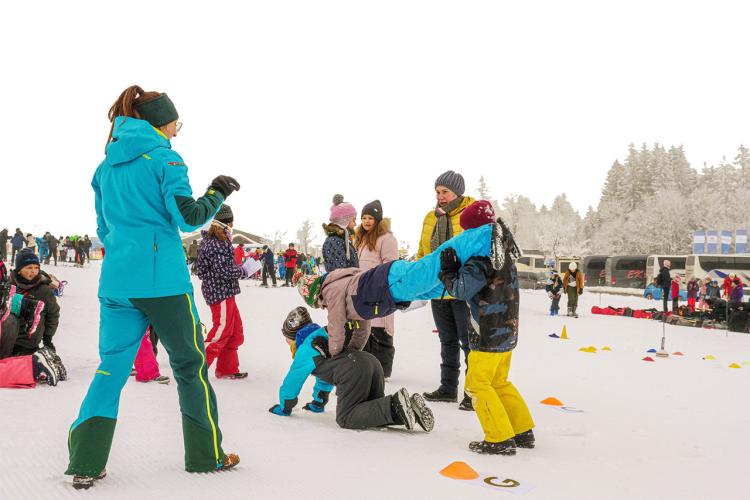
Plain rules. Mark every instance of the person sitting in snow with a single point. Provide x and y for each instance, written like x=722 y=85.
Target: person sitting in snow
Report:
x=23 y=337
x=22 y=371
x=554 y=291
x=490 y=286
x=352 y=296
x=358 y=378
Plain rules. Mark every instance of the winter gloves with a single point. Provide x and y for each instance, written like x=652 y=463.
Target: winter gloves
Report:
x=286 y=410
x=449 y=266
x=318 y=404
x=225 y=185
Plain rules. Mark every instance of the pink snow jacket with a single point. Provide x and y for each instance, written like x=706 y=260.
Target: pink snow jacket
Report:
x=386 y=250
x=336 y=297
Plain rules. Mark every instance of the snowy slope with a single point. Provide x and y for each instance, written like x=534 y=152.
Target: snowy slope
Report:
x=676 y=428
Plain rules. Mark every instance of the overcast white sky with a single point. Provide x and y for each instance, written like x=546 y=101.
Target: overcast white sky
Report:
x=301 y=100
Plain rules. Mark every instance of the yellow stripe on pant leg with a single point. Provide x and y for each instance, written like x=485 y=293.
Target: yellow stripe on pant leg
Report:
x=200 y=376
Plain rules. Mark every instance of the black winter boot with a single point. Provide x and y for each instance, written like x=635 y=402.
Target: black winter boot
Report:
x=438 y=395
x=466 y=403
x=507 y=447
x=525 y=439
x=401 y=409
x=422 y=413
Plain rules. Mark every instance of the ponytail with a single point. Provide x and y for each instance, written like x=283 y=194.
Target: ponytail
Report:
x=125 y=105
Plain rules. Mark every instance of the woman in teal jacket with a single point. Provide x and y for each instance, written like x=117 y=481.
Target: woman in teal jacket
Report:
x=143 y=199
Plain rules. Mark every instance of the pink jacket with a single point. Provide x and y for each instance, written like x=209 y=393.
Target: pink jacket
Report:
x=386 y=250
x=336 y=297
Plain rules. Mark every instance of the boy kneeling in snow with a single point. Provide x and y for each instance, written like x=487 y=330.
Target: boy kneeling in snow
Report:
x=358 y=376
x=490 y=286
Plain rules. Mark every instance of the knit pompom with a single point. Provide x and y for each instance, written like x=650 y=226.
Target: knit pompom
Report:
x=338 y=199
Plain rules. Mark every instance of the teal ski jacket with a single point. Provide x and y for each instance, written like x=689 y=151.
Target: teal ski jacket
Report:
x=143 y=199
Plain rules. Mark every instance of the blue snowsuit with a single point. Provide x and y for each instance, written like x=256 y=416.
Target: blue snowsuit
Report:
x=358 y=376
x=142 y=200
x=302 y=366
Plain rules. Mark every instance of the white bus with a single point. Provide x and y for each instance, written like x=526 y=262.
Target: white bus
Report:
x=654 y=263
x=718 y=266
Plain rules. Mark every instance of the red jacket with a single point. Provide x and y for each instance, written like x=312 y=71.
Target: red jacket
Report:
x=675 y=290
x=239 y=255
x=290 y=258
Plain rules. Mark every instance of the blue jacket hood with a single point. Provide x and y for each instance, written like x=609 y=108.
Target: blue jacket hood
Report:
x=132 y=138
x=305 y=332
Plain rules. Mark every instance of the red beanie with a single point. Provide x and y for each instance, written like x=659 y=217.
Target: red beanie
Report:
x=477 y=214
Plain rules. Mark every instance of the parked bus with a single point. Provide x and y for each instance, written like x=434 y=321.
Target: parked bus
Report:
x=592 y=268
x=627 y=271
x=718 y=267
x=532 y=271
x=654 y=263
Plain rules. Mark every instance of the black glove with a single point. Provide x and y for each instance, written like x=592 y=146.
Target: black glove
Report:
x=225 y=185
x=320 y=344
x=449 y=263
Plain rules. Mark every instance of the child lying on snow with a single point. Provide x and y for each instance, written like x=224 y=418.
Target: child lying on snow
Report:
x=490 y=286
x=358 y=377
x=352 y=296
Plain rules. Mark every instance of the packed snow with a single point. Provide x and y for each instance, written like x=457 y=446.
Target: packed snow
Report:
x=674 y=428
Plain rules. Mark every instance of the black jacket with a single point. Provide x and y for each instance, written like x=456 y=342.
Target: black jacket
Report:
x=664 y=279
x=4 y=237
x=39 y=289
x=493 y=298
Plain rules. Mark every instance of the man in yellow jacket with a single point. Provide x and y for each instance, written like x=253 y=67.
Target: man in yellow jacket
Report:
x=451 y=316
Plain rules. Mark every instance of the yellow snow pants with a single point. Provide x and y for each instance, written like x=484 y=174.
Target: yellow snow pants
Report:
x=498 y=404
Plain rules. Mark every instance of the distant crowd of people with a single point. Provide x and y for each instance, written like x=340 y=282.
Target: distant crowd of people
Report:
x=66 y=249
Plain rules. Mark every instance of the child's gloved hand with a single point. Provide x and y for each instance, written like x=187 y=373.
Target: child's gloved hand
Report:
x=449 y=263
x=278 y=410
x=314 y=407
x=286 y=410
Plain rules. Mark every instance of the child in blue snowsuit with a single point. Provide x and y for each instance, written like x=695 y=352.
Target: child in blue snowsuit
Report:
x=358 y=376
x=553 y=289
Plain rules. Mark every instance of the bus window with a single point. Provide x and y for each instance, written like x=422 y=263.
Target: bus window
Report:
x=524 y=260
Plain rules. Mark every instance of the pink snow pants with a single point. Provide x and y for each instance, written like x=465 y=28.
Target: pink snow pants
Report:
x=146 y=366
x=225 y=337
x=17 y=373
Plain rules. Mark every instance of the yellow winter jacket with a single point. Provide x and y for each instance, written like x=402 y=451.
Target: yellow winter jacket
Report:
x=431 y=219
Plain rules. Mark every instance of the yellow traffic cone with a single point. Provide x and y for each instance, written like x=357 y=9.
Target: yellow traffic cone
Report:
x=564 y=335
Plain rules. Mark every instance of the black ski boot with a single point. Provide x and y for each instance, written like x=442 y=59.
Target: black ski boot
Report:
x=507 y=447
x=422 y=414
x=401 y=409
x=438 y=395
x=50 y=354
x=525 y=439
x=466 y=403
x=41 y=365
x=86 y=482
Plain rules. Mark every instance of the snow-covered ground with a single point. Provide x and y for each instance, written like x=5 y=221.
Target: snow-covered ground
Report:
x=676 y=428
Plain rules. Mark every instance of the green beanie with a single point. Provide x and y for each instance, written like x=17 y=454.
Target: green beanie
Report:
x=159 y=111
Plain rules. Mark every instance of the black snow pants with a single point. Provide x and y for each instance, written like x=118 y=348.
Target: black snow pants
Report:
x=380 y=345
x=452 y=322
x=358 y=377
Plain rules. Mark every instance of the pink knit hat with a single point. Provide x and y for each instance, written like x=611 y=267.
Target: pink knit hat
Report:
x=342 y=212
